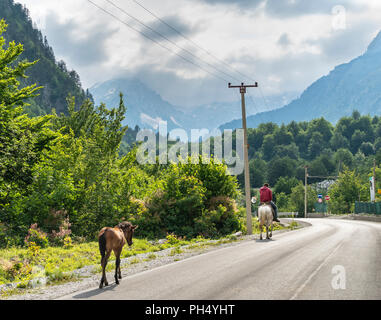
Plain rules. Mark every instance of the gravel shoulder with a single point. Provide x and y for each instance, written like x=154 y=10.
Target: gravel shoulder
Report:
x=88 y=277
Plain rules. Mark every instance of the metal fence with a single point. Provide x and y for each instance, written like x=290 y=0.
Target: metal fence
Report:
x=288 y=214
x=321 y=207
x=368 y=207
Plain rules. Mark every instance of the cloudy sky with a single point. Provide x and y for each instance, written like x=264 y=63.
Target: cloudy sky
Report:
x=285 y=45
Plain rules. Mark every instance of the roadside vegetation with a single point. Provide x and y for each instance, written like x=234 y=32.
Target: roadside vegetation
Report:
x=62 y=176
x=54 y=265
x=18 y=264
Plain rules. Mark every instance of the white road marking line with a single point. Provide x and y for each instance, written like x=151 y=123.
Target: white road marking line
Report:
x=300 y=289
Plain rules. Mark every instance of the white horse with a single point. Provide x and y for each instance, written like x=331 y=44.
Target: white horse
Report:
x=265 y=217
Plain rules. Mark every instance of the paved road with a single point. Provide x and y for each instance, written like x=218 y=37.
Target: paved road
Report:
x=316 y=262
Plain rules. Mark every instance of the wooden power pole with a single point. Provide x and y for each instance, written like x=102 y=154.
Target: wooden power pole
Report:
x=242 y=89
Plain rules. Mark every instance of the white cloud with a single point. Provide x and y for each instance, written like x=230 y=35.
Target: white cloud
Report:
x=247 y=37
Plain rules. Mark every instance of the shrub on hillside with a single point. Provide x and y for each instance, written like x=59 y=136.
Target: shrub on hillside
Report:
x=36 y=236
x=217 y=223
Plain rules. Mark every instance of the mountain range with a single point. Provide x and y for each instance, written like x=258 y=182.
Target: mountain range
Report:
x=351 y=86
x=355 y=85
x=145 y=107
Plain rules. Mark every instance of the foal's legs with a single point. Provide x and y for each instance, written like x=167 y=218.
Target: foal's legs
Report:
x=118 y=273
x=104 y=263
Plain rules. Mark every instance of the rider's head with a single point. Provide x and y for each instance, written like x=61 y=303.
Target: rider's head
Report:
x=266 y=185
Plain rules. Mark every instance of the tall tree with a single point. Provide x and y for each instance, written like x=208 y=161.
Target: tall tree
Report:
x=21 y=139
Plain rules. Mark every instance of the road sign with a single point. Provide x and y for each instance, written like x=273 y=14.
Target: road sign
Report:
x=253 y=200
x=320 y=196
x=379 y=191
x=327 y=198
x=320 y=200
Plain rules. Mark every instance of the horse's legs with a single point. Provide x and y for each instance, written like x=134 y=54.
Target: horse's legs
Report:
x=271 y=230
x=267 y=231
x=117 y=267
x=260 y=232
x=104 y=263
x=120 y=273
x=103 y=277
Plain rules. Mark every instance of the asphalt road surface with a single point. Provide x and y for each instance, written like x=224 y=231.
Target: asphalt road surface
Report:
x=332 y=259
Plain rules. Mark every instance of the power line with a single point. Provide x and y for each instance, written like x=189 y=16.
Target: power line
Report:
x=193 y=42
x=256 y=108
x=158 y=43
x=169 y=40
x=206 y=51
x=173 y=43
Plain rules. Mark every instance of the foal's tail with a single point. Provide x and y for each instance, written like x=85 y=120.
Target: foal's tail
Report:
x=102 y=244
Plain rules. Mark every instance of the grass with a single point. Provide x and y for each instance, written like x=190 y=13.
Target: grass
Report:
x=20 y=265
x=134 y=261
x=150 y=257
x=175 y=251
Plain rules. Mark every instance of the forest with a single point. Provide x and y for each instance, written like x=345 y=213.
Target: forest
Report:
x=351 y=148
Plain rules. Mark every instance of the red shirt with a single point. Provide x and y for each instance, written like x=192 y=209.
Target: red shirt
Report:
x=265 y=194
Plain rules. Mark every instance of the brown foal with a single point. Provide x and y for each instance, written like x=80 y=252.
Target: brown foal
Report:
x=113 y=239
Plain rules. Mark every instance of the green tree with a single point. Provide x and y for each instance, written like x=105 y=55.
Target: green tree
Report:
x=343 y=157
x=258 y=173
x=321 y=166
x=302 y=141
x=377 y=144
x=338 y=141
x=316 y=144
x=357 y=138
x=297 y=199
x=11 y=71
x=58 y=82
x=21 y=139
x=282 y=136
x=291 y=151
x=323 y=127
x=283 y=202
x=285 y=185
x=346 y=190
x=367 y=148
x=281 y=167
x=268 y=146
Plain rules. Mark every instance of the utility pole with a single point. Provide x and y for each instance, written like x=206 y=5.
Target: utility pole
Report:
x=242 y=89
x=305 y=190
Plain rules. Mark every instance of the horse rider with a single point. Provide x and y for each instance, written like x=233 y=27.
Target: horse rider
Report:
x=266 y=196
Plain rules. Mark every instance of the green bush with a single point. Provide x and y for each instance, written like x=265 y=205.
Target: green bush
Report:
x=283 y=202
x=346 y=190
x=217 y=223
x=37 y=237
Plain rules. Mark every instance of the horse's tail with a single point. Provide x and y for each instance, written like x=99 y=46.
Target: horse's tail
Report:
x=102 y=244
